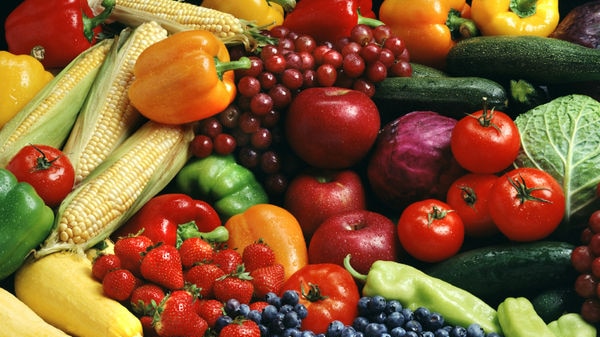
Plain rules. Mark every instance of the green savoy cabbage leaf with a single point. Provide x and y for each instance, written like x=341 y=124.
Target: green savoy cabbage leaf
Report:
x=562 y=137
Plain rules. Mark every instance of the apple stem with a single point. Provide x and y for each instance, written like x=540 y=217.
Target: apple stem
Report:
x=352 y=271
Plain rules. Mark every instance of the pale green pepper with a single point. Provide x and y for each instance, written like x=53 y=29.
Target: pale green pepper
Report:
x=413 y=288
x=572 y=325
x=518 y=318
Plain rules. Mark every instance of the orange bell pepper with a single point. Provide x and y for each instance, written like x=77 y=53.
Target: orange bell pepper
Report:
x=275 y=226
x=184 y=78
x=429 y=28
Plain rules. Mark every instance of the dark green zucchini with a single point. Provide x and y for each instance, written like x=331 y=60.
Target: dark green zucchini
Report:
x=552 y=303
x=542 y=60
x=421 y=70
x=450 y=96
x=513 y=269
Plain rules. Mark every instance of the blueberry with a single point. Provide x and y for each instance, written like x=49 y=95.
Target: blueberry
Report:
x=362 y=305
x=290 y=297
x=441 y=333
x=291 y=332
x=232 y=306
x=413 y=325
x=393 y=306
x=398 y=332
x=243 y=310
x=301 y=310
x=375 y=330
x=335 y=329
x=376 y=305
x=276 y=326
x=426 y=334
x=411 y=334
x=264 y=330
x=458 y=331
x=394 y=319
x=434 y=322
x=291 y=320
x=422 y=314
x=360 y=323
x=475 y=330
x=222 y=321
x=273 y=299
x=378 y=318
x=348 y=331
x=285 y=308
x=493 y=334
x=269 y=313
x=308 y=333
x=255 y=316
x=408 y=314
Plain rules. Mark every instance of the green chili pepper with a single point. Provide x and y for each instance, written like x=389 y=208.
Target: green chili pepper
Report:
x=25 y=222
x=518 y=319
x=230 y=187
x=413 y=288
x=572 y=325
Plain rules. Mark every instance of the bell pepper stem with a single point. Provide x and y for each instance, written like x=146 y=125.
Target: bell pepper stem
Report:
x=358 y=276
x=287 y=5
x=523 y=8
x=368 y=21
x=222 y=67
x=460 y=27
x=89 y=23
x=190 y=230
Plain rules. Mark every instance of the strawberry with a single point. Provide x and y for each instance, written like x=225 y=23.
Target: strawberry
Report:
x=176 y=316
x=227 y=259
x=147 y=326
x=162 y=265
x=237 y=285
x=118 y=284
x=258 y=305
x=268 y=279
x=104 y=263
x=257 y=255
x=203 y=276
x=145 y=298
x=129 y=249
x=195 y=250
x=210 y=310
x=240 y=327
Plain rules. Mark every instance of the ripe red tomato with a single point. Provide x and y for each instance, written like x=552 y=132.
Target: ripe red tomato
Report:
x=527 y=204
x=47 y=169
x=485 y=141
x=468 y=196
x=328 y=291
x=430 y=230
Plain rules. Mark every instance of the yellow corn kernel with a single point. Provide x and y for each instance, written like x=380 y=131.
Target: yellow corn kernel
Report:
x=177 y=16
x=50 y=115
x=107 y=117
x=132 y=174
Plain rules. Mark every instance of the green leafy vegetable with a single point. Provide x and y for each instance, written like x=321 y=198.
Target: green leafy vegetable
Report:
x=562 y=137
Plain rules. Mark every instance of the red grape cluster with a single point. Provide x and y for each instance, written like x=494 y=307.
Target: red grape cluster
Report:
x=586 y=260
x=251 y=128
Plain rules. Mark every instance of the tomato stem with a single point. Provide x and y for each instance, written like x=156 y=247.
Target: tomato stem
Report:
x=524 y=192
x=436 y=214
x=313 y=294
x=42 y=162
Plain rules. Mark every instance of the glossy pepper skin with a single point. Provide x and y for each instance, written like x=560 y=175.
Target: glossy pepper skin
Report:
x=62 y=28
x=429 y=28
x=229 y=187
x=328 y=20
x=25 y=222
x=263 y=13
x=572 y=325
x=518 y=318
x=515 y=17
x=162 y=215
x=184 y=78
x=275 y=226
x=23 y=76
x=413 y=288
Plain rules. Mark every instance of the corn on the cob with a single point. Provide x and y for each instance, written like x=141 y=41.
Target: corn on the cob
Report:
x=50 y=115
x=60 y=288
x=107 y=118
x=19 y=320
x=177 y=16
x=132 y=174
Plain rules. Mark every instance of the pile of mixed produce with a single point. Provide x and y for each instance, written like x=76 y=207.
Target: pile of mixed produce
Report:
x=308 y=168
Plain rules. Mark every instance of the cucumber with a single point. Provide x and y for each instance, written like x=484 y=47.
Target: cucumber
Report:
x=450 y=96
x=552 y=303
x=421 y=70
x=509 y=270
x=542 y=60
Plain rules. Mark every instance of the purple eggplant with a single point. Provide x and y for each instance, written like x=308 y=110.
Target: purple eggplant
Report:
x=581 y=25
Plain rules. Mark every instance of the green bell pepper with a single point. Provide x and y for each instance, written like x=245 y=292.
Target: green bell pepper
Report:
x=26 y=221
x=413 y=288
x=220 y=180
x=572 y=325
x=518 y=318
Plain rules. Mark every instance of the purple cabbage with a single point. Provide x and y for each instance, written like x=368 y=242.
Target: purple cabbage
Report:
x=412 y=159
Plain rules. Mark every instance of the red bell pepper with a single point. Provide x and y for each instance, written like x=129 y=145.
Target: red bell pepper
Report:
x=162 y=216
x=329 y=20
x=54 y=31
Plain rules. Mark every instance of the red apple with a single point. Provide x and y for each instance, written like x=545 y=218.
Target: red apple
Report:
x=368 y=236
x=315 y=195
x=331 y=127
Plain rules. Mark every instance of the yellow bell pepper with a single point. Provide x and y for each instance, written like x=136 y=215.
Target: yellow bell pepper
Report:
x=263 y=13
x=22 y=77
x=515 y=17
